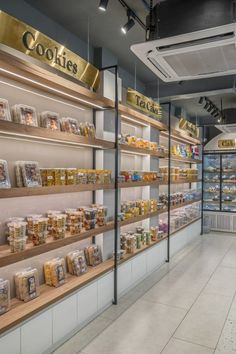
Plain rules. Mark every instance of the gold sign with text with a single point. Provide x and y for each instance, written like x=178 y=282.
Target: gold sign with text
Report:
x=143 y=103
x=189 y=127
x=228 y=143
x=18 y=35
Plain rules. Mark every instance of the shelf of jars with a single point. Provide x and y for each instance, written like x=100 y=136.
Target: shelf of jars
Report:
x=181 y=205
x=48 y=295
x=184 y=226
x=133 y=220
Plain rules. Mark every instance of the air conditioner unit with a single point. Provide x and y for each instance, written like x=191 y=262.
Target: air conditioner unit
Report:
x=195 y=55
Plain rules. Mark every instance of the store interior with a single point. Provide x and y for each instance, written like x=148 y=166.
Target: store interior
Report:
x=107 y=171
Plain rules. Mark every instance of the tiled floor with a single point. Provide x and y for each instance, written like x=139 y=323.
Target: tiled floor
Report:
x=186 y=307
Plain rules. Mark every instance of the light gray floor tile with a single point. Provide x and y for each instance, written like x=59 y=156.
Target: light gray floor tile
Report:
x=144 y=328
x=230 y=258
x=227 y=342
x=223 y=281
x=204 y=322
x=177 y=346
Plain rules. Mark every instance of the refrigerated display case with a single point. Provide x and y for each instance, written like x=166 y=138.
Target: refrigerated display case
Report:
x=219 y=178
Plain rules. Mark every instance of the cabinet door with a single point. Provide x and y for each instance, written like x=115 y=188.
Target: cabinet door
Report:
x=228 y=194
x=211 y=195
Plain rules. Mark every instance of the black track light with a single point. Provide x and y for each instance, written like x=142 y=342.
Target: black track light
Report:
x=103 y=5
x=215 y=110
x=127 y=26
x=210 y=108
x=201 y=99
x=207 y=104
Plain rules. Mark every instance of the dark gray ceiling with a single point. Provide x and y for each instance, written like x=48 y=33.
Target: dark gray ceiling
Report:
x=104 y=27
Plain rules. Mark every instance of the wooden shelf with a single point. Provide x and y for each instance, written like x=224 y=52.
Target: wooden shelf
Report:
x=184 y=204
x=29 y=192
x=186 y=181
x=138 y=184
x=128 y=256
x=22 y=131
x=178 y=136
x=20 y=311
x=185 y=160
x=212 y=181
x=6 y=257
x=140 y=218
x=133 y=150
x=186 y=225
x=138 y=118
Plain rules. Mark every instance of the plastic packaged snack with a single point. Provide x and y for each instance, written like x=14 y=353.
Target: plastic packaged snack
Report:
x=87 y=129
x=90 y=213
x=30 y=173
x=4 y=296
x=70 y=176
x=27 y=284
x=81 y=177
x=38 y=233
x=130 y=244
x=50 y=120
x=16 y=229
x=59 y=176
x=70 y=125
x=4 y=110
x=90 y=224
x=17 y=244
x=93 y=255
x=18 y=172
x=25 y=115
x=76 y=262
x=55 y=272
x=4 y=175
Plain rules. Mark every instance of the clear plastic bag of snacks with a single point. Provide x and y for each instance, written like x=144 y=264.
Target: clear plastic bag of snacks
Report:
x=4 y=175
x=27 y=284
x=17 y=244
x=76 y=262
x=25 y=115
x=87 y=129
x=4 y=296
x=38 y=231
x=70 y=176
x=50 y=120
x=55 y=272
x=58 y=227
x=70 y=125
x=16 y=229
x=30 y=173
x=93 y=255
x=90 y=224
x=91 y=176
x=59 y=176
x=130 y=244
x=4 y=110
x=90 y=213
x=81 y=176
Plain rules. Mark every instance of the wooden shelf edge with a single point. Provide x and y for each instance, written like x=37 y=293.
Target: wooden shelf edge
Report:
x=37 y=191
x=39 y=133
x=138 y=184
x=140 y=218
x=134 y=150
x=185 y=204
x=184 y=160
x=186 y=225
x=128 y=256
x=181 y=137
x=7 y=258
x=21 y=311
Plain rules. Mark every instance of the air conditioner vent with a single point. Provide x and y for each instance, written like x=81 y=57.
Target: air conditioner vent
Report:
x=229 y=128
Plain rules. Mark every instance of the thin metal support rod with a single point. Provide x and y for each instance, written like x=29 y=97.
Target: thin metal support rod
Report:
x=203 y=166
x=221 y=166
x=169 y=182
x=94 y=167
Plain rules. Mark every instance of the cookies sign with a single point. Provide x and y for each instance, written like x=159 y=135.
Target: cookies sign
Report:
x=18 y=35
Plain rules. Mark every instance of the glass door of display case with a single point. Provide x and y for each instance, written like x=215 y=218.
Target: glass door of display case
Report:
x=228 y=183
x=211 y=183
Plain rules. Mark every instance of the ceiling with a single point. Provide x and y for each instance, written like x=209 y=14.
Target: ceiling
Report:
x=104 y=27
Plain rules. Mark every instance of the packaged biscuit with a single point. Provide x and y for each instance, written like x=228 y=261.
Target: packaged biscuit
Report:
x=81 y=176
x=38 y=233
x=93 y=255
x=17 y=244
x=4 y=110
x=27 y=284
x=87 y=129
x=4 y=175
x=59 y=176
x=16 y=229
x=50 y=120
x=4 y=296
x=55 y=272
x=25 y=115
x=58 y=226
x=70 y=176
x=18 y=172
x=70 y=125
x=30 y=173
x=76 y=262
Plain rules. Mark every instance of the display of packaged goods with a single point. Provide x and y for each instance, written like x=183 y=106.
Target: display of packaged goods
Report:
x=90 y=224
x=4 y=296
x=4 y=175
x=59 y=176
x=38 y=230
x=28 y=174
x=90 y=213
x=17 y=244
x=137 y=176
x=81 y=177
x=16 y=229
x=50 y=120
x=27 y=284
x=87 y=129
x=76 y=262
x=74 y=221
x=130 y=244
x=25 y=115
x=154 y=233
x=4 y=110
x=91 y=176
x=93 y=255
x=58 y=226
x=70 y=176
x=139 y=143
x=55 y=272
x=70 y=125
x=185 y=150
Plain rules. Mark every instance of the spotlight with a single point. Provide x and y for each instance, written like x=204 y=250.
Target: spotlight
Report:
x=219 y=120
x=207 y=104
x=201 y=99
x=128 y=26
x=103 y=5
x=214 y=112
x=210 y=108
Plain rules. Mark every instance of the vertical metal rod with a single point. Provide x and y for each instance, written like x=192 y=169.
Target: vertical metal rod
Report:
x=203 y=166
x=221 y=165
x=94 y=167
x=169 y=166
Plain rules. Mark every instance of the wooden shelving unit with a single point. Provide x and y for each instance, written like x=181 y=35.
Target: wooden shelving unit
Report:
x=184 y=226
x=140 y=218
x=180 y=137
x=134 y=150
x=138 y=184
x=185 y=160
x=184 y=204
x=20 y=311
x=6 y=257
x=22 y=131
x=29 y=192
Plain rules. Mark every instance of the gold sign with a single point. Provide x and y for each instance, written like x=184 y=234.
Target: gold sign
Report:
x=143 y=103
x=228 y=143
x=18 y=35
x=191 y=128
